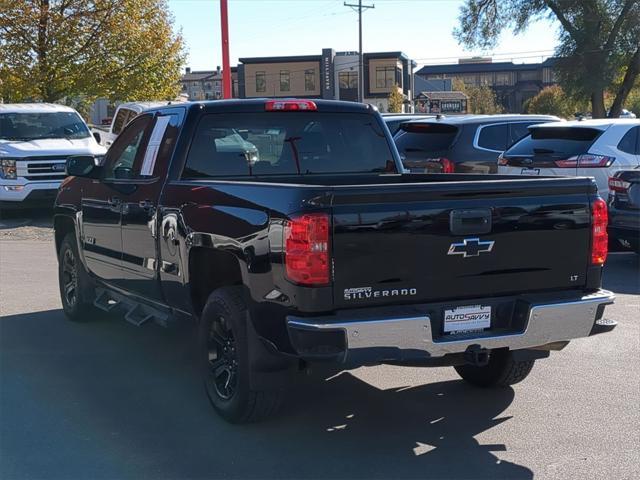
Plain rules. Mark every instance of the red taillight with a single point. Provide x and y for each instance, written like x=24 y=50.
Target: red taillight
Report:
x=290 y=105
x=618 y=185
x=447 y=165
x=599 y=237
x=306 y=247
x=587 y=160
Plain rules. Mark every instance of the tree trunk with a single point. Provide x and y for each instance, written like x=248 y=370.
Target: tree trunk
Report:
x=43 y=65
x=597 y=104
x=633 y=70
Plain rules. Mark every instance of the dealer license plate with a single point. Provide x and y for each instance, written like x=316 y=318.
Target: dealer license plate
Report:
x=469 y=318
x=530 y=171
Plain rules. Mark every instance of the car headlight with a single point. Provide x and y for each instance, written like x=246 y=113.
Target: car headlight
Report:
x=8 y=169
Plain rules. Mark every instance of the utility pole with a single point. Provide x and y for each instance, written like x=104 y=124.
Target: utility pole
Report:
x=358 y=8
x=226 y=65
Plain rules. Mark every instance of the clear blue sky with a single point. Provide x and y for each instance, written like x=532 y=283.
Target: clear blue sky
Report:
x=420 y=28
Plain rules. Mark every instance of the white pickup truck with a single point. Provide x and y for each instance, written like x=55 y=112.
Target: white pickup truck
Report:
x=125 y=112
x=35 y=141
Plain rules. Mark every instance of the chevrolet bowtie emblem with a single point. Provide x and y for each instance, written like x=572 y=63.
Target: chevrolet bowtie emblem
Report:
x=470 y=247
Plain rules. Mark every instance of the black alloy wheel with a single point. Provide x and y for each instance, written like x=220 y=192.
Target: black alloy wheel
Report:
x=223 y=359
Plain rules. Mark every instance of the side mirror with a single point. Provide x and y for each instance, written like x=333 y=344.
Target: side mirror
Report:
x=97 y=136
x=82 y=166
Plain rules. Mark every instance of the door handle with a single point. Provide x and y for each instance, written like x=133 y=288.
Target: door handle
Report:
x=145 y=204
x=114 y=204
x=472 y=221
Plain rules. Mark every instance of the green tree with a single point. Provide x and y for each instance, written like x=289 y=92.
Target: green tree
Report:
x=395 y=100
x=633 y=101
x=65 y=50
x=554 y=101
x=481 y=100
x=599 y=41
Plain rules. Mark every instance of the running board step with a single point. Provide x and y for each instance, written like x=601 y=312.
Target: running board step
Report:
x=104 y=301
x=136 y=313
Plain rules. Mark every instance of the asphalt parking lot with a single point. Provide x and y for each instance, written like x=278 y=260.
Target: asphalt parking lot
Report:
x=105 y=399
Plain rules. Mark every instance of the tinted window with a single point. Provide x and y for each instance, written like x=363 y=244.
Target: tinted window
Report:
x=393 y=125
x=629 y=141
x=420 y=140
x=518 y=131
x=283 y=143
x=124 y=156
x=493 y=137
x=565 y=140
x=31 y=126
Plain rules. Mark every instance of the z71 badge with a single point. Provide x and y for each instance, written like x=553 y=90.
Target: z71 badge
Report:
x=364 y=293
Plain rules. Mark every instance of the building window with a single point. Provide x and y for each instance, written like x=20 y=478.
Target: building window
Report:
x=528 y=75
x=285 y=83
x=385 y=77
x=348 y=79
x=503 y=78
x=261 y=82
x=309 y=80
x=470 y=80
x=485 y=79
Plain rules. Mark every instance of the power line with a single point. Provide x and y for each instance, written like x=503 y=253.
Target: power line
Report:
x=360 y=7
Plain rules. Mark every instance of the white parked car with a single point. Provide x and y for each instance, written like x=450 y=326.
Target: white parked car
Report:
x=125 y=112
x=591 y=148
x=627 y=114
x=35 y=141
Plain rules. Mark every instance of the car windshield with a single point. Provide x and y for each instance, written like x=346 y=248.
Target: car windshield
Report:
x=559 y=140
x=291 y=143
x=32 y=126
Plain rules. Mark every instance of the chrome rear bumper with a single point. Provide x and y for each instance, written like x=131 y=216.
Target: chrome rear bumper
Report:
x=546 y=323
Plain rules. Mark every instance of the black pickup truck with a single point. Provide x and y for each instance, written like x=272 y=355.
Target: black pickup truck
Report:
x=288 y=230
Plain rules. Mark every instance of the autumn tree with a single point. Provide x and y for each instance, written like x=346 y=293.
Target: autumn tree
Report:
x=480 y=100
x=395 y=100
x=599 y=41
x=64 y=50
x=553 y=100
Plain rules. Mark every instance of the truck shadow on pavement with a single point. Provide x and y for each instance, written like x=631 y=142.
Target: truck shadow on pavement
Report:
x=622 y=273
x=104 y=399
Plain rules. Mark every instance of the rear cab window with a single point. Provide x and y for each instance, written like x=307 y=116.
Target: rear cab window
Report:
x=291 y=143
x=420 y=143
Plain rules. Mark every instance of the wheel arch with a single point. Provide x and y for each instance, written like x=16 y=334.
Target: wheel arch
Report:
x=210 y=269
x=62 y=225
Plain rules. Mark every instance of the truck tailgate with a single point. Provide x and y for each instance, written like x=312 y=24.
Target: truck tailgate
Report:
x=407 y=243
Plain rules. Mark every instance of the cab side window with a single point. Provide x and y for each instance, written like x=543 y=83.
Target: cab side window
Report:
x=124 y=157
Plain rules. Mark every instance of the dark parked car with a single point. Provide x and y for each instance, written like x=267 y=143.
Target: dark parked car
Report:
x=462 y=144
x=393 y=120
x=624 y=209
x=323 y=250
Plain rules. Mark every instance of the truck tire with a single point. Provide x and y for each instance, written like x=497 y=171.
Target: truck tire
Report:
x=224 y=357
x=501 y=371
x=77 y=291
